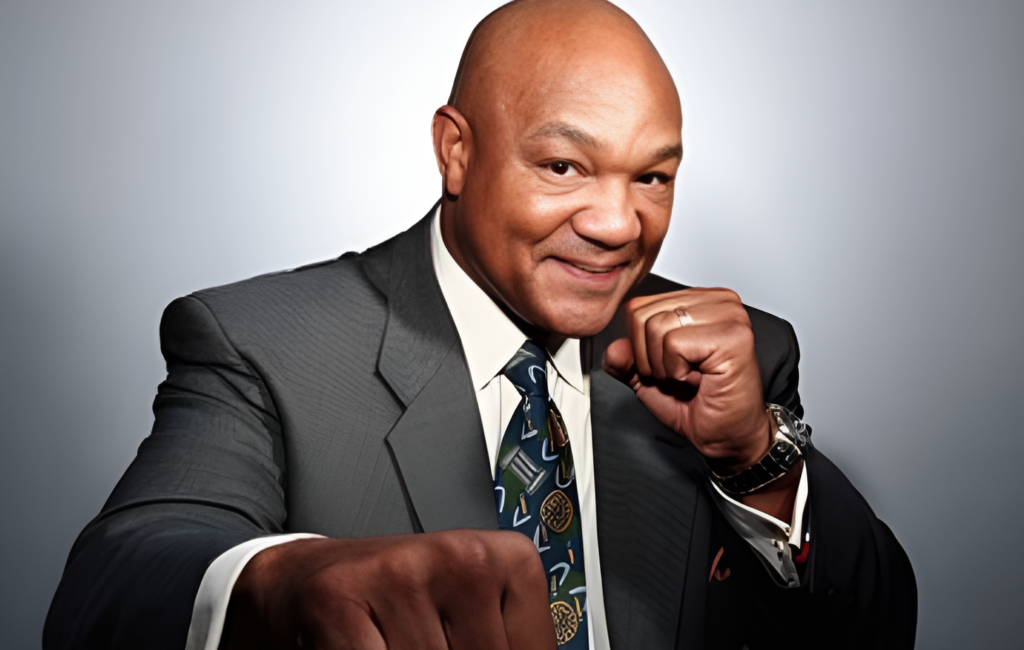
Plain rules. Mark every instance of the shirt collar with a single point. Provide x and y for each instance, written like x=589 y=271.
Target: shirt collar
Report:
x=489 y=337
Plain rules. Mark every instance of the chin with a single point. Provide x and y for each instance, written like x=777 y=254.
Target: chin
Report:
x=580 y=321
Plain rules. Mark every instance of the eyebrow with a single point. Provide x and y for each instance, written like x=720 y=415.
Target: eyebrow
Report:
x=563 y=130
x=570 y=132
x=667 y=152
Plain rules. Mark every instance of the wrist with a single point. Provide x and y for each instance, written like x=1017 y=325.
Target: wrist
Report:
x=778 y=497
x=790 y=438
x=254 y=581
x=761 y=443
x=255 y=615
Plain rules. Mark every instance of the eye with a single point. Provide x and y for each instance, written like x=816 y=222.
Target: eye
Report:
x=654 y=179
x=562 y=168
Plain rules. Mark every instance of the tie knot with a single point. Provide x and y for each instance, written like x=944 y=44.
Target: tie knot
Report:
x=528 y=370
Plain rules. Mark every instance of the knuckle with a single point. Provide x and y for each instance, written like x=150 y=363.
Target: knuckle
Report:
x=632 y=307
x=393 y=566
x=734 y=315
x=740 y=326
x=408 y=564
x=654 y=323
x=741 y=333
x=518 y=554
x=520 y=546
x=488 y=560
x=527 y=566
x=476 y=558
x=739 y=312
x=728 y=295
x=676 y=345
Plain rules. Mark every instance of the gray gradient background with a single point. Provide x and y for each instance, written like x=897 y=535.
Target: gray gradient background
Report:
x=856 y=167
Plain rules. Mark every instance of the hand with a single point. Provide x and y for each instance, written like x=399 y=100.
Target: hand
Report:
x=460 y=589
x=690 y=359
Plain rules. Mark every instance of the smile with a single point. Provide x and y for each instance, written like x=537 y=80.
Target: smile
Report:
x=594 y=269
x=593 y=275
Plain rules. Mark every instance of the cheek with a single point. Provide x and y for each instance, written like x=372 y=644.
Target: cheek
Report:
x=655 y=227
x=526 y=216
x=543 y=216
x=504 y=242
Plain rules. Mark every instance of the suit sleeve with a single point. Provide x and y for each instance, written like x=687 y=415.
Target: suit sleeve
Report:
x=857 y=586
x=209 y=477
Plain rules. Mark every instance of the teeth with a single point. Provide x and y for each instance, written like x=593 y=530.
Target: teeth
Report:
x=594 y=269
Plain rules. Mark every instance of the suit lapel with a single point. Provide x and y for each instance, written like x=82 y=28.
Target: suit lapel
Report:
x=439 y=452
x=647 y=483
x=438 y=443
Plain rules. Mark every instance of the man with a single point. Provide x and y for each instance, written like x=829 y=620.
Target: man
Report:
x=334 y=447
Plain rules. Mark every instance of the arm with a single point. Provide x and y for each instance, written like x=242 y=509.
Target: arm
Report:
x=207 y=478
x=699 y=373
x=211 y=478
x=857 y=586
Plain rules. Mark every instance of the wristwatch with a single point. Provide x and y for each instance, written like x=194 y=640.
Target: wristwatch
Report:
x=792 y=439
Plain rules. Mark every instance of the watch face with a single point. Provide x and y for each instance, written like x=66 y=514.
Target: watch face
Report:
x=801 y=435
x=790 y=425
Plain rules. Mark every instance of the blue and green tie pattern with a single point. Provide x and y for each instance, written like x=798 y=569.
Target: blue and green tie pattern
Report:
x=535 y=489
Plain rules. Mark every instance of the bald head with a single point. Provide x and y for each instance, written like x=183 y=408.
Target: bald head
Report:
x=513 y=44
x=558 y=151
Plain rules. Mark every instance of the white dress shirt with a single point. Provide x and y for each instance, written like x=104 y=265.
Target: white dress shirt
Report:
x=489 y=339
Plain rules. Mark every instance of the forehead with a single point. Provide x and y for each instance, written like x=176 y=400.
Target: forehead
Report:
x=593 y=100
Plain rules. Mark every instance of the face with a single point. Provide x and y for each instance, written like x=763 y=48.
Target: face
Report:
x=568 y=188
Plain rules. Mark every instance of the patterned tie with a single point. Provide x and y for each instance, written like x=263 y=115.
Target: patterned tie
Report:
x=535 y=488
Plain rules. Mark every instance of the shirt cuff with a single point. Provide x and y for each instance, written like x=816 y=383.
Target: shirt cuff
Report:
x=772 y=539
x=211 y=605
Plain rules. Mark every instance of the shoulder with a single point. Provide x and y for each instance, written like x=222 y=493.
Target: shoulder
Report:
x=345 y=287
x=291 y=309
x=308 y=313
x=322 y=286
x=281 y=314
x=317 y=291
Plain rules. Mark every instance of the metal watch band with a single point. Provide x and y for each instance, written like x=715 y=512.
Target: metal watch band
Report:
x=792 y=437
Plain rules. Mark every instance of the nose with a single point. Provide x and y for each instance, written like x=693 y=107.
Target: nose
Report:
x=612 y=218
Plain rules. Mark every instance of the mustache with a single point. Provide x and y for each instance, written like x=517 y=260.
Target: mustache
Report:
x=578 y=248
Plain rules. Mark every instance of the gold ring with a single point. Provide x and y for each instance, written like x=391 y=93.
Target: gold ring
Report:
x=684 y=317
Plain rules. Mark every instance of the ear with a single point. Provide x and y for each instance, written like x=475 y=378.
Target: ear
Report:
x=452 y=142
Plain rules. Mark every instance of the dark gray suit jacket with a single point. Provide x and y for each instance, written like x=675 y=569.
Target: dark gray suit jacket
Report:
x=336 y=399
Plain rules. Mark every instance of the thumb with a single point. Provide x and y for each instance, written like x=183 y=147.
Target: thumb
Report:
x=618 y=360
